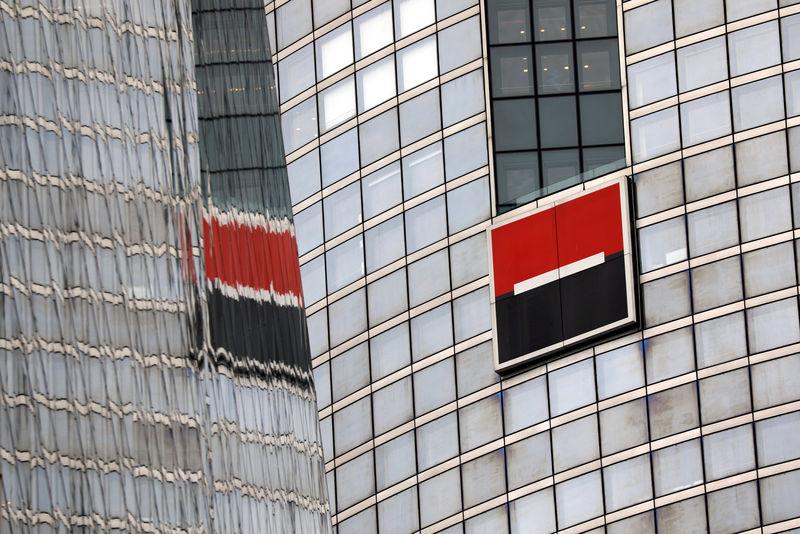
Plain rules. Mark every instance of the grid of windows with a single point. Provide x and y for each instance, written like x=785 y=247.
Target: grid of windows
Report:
x=556 y=99
x=688 y=425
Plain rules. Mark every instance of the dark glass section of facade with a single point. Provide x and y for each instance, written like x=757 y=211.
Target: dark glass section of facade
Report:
x=556 y=98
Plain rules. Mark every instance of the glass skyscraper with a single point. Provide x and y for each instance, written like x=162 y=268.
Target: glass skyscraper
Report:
x=411 y=126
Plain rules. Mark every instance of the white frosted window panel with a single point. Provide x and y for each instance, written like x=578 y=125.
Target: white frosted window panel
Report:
x=651 y=80
x=322 y=385
x=419 y=117
x=459 y=44
x=648 y=26
x=428 y=277
x=572 y=387
x=655 y=134
x=712 y=229
x=720 y=340
x=627 y=483
x=426 y=224
x=669 y=355
x=462 y=97
x=474 y=369
x=361 y=522
x=529 y=460
x=434 y=386
x=392 y=405
x=729 y=452
x=790 y=33
x=294 y=21
x=677 y=467
x=702 y=64
x=721 y=396
x=440 y=497
x=778 y=439
x=348 y=317
x=619 y=370
x=437 y=441
x=659 y=189
x=779 y=500
x=716 y=284
x=766 y=213
x=423 y=170
x=313 y=277
x=792 y=87
x=389 y=351
x=416 y=63
x=350 y=371
x=776 y=382
x=773 y=325
x=673 y=410
x=754 y=48
x=757 y=103
x=345 y=263
x=376 y=84
x=304 y=176
x=380 y=135
x=533 y=514
x=381 y=190
x=412 y=15
x=525 y=404
x=575 y=443
x=355 y=480
x=431 y=332
x=351 y=425
x=484 y=478
x=739 y=9
x=334 y=51
x=683 y=517
x=326 y=430
x=387 y=297
x=468 y=205
x=384 y=243
x=470 y=260
x=662 y=244
x=465 y=151
x=733 y=509
x=394 y=461
x=623 y=426
x=399 y=514
x=337 y=103
x=339 y=157
x=709 y=173
x=327 y=10
x=480 y=422
x=318 y=332
x=695 y=15
x=666 y=299
x=769 y=269
x=373 y=30
x=342 y=210
x=308 y=228
x=299 y=125
x=579 y=499
x=296 y=72
x=705 y=118
x=761 y=158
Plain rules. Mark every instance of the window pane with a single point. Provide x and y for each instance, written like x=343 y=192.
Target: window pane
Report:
x=601 y=119
x=761 y=158
x=512 y=71
x=471 y=314
x=299 y=125
x=350 y=371
x=327 y=10
x=308 y=228
x=389 y=351
x=437 y=441
x=514 y=124
x=716 y=284
x=462 y=97
x=468 y=205
x=683 y=517
x=598 y=65
x=575 y=443
x=709 y=173
x=345 y=263
x=666 y=299
x=560 y=168
x=720 y=340
x=394 y=461
x=623 y=426
x=385 y=243
x=355 y=481
x=412 y=15
x=558 y=121
x=431 y=332
x=459 y=44
x=713 y=229
x=677 y=467
x=313 y=277
x=555 y=68
x=721 y=396
x=334 y=51
x=484 y=478
x=376 y=83
x=517 y=178
x=304 y=176
x=552 y=20
x=373 y=30
x=647 y=26
x=533 y=513
x=480 y=422
x=765 y=214
x=382 y=134
x=754 y=48
x=791 y=42
x=399 y=513
x=702 y=64
x=294 y=21
x=662 y=244
x=352 y=425
x=773 y=325
x=595 y=18
x=342 y=210
x=387 y=297
x=757 y=103
x=392 y=405
x=525 y=404
x=571 y=387
x=419 y=117
x=426 y=224
x=655 y=134
x=422 y=170
x=339 y=157
x=434 y=386
x=619 y=370
x=381 y=190
x=659 y=189
x=529 y=460
x=673 y=411
x=769 y=269
x=508 y=21
x=337 y=103
x=651 y=80
x=470 y=260
x=705 y=118
x=691 y=16
x=416 y=63
x=579 y=499
x=627 y=483
x=733 y=509
x=465 y=151
x=296 y=72
x=669 y=355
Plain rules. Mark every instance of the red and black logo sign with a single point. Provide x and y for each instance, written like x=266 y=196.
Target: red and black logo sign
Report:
x=562 y=274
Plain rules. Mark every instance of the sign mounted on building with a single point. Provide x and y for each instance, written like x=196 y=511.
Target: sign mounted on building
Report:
x=561 y=275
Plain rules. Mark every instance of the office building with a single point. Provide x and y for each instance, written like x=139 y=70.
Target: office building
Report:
x=154 y=368
x=412 y=126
